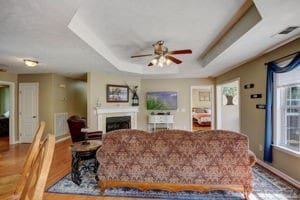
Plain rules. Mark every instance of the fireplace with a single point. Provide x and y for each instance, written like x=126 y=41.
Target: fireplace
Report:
x=116 y=111
x=115 y=123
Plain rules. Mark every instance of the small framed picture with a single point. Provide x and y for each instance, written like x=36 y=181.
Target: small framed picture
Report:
x=204 y=96
x=117 y=93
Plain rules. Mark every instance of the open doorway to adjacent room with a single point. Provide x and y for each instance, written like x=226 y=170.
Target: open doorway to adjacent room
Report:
x=6 y=118
x=202 y=108
x=228 y=105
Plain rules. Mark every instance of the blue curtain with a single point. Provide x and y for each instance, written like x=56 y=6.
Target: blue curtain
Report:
x=273 y=68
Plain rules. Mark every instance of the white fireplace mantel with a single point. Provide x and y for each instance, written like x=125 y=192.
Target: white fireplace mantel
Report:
x=104 y=112
x=117 y=109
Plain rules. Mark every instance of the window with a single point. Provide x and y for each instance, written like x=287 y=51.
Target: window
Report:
x=287 y=110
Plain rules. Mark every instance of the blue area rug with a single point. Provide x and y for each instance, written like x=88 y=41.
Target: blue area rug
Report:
x=266 y=186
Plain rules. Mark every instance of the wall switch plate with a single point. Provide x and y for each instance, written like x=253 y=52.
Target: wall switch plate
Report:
x=260 y=147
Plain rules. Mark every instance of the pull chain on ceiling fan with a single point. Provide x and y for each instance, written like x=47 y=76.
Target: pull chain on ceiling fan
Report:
x=163 y=55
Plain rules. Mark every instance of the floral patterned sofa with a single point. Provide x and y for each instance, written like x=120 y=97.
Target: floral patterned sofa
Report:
x=176 y=160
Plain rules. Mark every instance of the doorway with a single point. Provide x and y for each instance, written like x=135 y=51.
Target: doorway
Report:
x=4 y=116
x=7 y=119
x=228 y=105
x=28 y=111
x=202 y=117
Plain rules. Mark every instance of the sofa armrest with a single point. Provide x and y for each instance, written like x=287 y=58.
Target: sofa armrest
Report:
x=252 y=158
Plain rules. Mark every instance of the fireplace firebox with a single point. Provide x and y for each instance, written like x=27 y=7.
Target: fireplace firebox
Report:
x=115 y=123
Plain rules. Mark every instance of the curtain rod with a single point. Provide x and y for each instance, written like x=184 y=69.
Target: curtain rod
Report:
x=283 y=57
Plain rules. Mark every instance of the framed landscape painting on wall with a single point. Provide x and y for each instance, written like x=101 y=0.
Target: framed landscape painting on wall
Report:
x=117 y=93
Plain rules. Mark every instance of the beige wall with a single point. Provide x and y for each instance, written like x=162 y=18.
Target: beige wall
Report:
x=69 y=96
x=57 y=94
x=6 y=76
x=96 y=84
x=182 y=87
x=13 y=78
x=252 y=119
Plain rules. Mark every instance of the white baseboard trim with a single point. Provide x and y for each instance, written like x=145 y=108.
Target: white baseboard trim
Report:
x=63 y=139
x=282 y=175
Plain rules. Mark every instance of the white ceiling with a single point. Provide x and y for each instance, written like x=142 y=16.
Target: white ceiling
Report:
x=73 y=37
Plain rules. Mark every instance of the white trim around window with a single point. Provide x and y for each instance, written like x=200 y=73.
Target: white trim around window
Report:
x=286 y=150
x=280 y=113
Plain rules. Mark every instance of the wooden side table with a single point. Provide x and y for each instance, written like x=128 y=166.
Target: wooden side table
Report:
x=83 y=151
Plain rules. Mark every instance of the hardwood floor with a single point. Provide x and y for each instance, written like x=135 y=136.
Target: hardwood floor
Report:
x=12 y=160
x=4 y=143
x=197 y=127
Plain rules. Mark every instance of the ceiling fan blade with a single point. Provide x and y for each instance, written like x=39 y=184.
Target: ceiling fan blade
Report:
x=141 y=55
x=183 y=51
x=173 y=59
x=150 y=64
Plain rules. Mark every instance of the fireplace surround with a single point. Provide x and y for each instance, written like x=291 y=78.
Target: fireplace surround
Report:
x=104 y=113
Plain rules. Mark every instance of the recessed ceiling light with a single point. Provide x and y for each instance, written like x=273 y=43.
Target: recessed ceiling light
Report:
x=31 y=63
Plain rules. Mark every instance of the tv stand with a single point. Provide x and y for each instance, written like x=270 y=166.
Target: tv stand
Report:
x=156 y=122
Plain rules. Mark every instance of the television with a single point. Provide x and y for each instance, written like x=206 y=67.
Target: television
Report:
x=161 y=100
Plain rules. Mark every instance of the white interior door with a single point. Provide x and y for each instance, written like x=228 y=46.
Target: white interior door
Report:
x=28 y=111
x=228 y=114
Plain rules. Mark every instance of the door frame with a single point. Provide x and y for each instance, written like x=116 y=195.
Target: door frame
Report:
x=12 y=92
x=212 y=99
x=219 y=101
x=37 y=106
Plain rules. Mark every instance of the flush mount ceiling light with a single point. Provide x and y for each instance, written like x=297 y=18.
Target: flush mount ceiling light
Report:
x=31 y=63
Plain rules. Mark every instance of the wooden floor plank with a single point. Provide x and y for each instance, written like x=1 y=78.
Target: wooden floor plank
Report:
x=12 y=160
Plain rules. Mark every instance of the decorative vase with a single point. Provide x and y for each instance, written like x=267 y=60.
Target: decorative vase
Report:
x=229 y=100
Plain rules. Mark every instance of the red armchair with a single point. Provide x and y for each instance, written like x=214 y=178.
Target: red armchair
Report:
x=77 y=123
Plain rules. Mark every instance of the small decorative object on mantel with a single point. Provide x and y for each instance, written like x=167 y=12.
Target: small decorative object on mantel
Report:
x=256 y=96
x=260 y=106
x=135 y=97
x=248 y=86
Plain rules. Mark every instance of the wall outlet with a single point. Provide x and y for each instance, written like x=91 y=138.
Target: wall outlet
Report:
x=260 y=147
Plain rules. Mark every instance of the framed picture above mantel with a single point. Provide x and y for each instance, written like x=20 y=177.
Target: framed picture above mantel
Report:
x=117 y=93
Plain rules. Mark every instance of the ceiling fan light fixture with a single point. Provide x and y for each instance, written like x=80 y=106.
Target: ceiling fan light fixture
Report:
x=164 y=57
x=154 y=61
x=30 y=63
x=168 y=62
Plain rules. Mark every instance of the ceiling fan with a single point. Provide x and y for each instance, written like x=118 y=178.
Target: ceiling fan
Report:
x=163 y=55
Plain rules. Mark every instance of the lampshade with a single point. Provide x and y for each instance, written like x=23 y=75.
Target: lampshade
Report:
x=31 y=63
x=161 y=61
